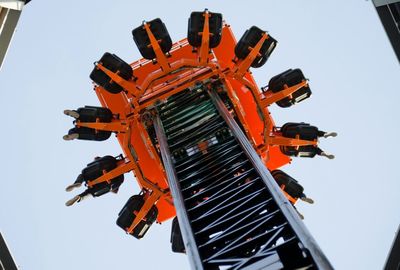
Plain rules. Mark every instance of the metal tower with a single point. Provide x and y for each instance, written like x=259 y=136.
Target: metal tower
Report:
x=197 y=133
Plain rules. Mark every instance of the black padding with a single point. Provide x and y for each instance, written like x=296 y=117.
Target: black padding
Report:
x=261 y=61
x=95 y=169
x=309 y=151
x=92 y=113
x=290 y=77
x=292 y=187
x=196 y=24
x=250 y=39
x=90 y=134
x=104 y=187
x=293 y=257
x=142 y=40
x=177 y=244
x=303 y=130
x=127 y=215
x=114 y=64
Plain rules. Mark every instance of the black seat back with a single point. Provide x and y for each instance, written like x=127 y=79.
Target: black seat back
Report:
x=292 y=187
x=196 y=24
x=142 y=40
x=95 y=169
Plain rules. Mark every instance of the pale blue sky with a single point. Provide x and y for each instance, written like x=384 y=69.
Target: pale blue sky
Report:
x=341 y=47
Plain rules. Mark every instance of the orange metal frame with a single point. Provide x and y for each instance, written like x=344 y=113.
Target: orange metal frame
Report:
x=157 y=80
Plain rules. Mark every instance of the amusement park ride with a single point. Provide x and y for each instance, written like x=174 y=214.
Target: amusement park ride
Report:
x=196 y=132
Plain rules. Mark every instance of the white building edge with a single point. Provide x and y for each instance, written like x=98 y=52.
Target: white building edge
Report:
x=10 y=11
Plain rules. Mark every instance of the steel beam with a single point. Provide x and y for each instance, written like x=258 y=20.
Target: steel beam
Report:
x=292 y=217
x=389 y=13
x=187 y=233
x=6 y=259
x=393 y=259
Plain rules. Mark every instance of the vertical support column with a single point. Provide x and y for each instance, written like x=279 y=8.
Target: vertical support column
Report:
x=184 y=223
x=293 y=219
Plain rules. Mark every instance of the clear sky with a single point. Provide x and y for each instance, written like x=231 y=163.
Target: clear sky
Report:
x=340 y=46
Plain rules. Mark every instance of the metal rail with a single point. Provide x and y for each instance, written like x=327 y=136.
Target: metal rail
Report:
x=187 y=233
x=304 y=235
